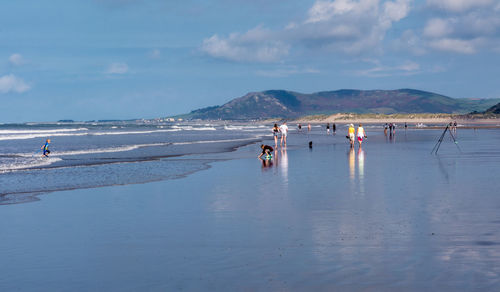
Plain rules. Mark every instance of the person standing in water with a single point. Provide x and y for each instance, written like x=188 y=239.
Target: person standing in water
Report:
x=334 y=128
x=350 y=134
x=276 y=130
x=328 y=128
x=361 y=134
x=45 y=148
x=284 y=133
x=309 y=127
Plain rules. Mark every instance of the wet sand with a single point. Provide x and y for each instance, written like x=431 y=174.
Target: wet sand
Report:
x=391 y=217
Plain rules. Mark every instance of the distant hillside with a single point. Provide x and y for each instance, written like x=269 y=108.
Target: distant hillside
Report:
x=494 y=109
x=288 y=104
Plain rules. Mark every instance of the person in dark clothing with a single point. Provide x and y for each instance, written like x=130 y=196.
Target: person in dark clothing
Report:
x=266 y=150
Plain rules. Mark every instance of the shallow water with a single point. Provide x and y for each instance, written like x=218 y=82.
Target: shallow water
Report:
x=391 y=217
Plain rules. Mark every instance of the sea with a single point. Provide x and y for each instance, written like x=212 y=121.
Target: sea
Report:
x=94 y=154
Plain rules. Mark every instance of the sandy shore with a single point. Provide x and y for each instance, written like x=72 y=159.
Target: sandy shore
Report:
x=410 y=119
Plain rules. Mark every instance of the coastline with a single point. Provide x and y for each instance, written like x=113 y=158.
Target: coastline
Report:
x=411 y=119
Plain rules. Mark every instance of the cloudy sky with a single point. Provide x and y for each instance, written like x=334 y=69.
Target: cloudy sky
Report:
x=120 y=59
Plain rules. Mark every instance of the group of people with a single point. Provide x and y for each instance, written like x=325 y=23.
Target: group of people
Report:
x=453 y=126
x=334 y=128
x=360 y=134
x=392 y=128
x=281 y=131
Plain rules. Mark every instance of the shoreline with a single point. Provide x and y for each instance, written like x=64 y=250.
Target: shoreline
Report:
x=398 y=118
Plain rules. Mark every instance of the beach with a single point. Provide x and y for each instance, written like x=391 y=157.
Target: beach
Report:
x=389 y=217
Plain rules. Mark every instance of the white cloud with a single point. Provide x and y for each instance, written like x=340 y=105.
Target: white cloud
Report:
x=326 y=10
x=405 y=69
x=284 y=72
x=16 y=59
x=346 y=26
x=255 y=45
x=459 y=26
x=117 y=68
x=11 y=83
x=438 y=27
x=454 y=45
x=459 y=5
x=410 y=41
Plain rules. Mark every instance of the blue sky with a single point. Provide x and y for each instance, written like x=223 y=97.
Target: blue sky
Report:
x=121 y=59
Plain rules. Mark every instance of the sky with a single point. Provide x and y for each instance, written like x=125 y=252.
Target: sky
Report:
x=126 y=59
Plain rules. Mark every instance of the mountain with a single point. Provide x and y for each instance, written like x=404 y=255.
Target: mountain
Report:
x=494 y=109
x=289 y=104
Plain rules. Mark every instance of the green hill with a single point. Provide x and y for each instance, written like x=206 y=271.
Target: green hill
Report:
x=289 y=104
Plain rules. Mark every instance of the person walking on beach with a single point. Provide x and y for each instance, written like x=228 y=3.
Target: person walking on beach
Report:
x=300 y=127
x=350 y=134
x=309 y=127
x=385 y=129
x=334 y=128
x=266 y=150
x=284 y=133
x=328 y=128
x=45 y=148
x=276 y=130
x=361 y=134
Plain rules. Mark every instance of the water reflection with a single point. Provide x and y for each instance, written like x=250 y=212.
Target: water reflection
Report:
x=266 y=163
x=361 y=170
x=352 y=161
x=360 y=178
x=284 y=165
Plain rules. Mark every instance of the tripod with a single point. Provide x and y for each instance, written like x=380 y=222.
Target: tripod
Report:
x=438 y=144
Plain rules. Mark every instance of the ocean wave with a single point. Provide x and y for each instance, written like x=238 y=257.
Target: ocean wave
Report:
x=97 y=150
x=245 y=128
x=132 y=132
x=32 y=136
x=191 y=128
x=49 y=135
x=35 y=131
x=23 y=163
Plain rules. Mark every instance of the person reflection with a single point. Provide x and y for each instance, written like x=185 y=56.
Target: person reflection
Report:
x=352 y=168
x=284 y=164
x=361 y=165
x=266 y=163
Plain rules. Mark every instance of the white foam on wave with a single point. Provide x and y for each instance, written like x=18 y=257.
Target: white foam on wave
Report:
x=31 y=136
x=132 y=132
x=245 y=128
x=25 y=163
x=98 y=150
x=191 y=128
x=39 y=135
x=35 y=131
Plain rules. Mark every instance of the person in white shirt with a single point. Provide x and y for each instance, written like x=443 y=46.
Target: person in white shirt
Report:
x=361 y=134
x=284 y=133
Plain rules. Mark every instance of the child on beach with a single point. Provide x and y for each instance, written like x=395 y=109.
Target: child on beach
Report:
x=266 y=150
x=45 y=148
